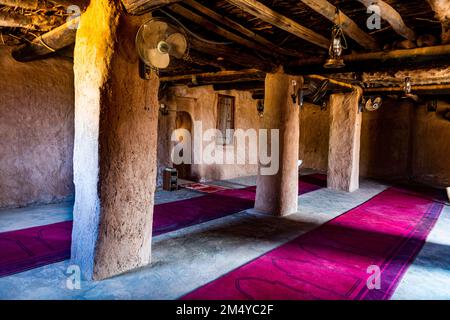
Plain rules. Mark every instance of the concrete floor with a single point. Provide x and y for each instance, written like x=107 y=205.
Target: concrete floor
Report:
x=186 y=259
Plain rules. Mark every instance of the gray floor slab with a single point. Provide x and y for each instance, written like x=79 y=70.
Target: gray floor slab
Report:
x=21 y=218
x=429 y=276
x=188 y=258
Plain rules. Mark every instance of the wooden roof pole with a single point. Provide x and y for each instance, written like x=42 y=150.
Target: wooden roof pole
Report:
x=389 y=14
x=211 y=26
x=361 y=62
x=49 y=42
x=268 y=15
x=431 y=89
x=25 y=4
x=332 y=81
x=348 y=25
x=30 y=22
x=239 y=28
x=138 y=7
x=214 y=75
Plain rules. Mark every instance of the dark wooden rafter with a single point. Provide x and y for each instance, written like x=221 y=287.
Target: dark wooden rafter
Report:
x=420 y=76
x=212 y=77
x=341 y=84
x=348 y=25
x=239 y=28
x=389 y=14
x=268 y=15
x=433 y=89
x=250 y=79
x=200 y=59
x=49 y=42
x=25 y=4
x=138 y=7
x=211 y=26
x=232 y=55
x=64 y=36
x=381 y=60
x=30 y=22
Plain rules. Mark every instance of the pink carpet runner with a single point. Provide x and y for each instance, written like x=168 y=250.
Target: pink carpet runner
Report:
x=21 y=250
x=331 y=262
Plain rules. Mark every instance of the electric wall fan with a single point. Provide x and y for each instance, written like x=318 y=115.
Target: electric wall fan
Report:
x=157 y=41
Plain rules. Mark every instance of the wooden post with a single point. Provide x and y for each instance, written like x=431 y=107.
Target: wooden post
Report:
x=277 y=194
x=344 y=143
x=115 y=145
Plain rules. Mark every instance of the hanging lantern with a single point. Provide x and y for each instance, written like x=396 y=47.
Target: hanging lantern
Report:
x=408 y=86
x=163 y=109
x=408 y=90
x=260 y=107
x=337 y=46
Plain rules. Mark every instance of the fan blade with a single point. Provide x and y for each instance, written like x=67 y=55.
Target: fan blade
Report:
x=369 y=105
x=153 y=33
x=158 y=59
x=178 y=44
x=373 y=105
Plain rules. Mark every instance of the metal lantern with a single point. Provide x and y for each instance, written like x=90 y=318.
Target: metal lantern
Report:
x=408 y=86
x=163 y=109
x=260 y=107
x=337 y=46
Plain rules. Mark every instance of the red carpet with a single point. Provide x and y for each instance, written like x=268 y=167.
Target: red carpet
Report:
x=30 y=248
x=331 y=261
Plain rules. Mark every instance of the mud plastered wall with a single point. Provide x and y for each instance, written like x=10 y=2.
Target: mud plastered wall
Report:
x=201 y=104
x=401 y=140
x=36 y=129
x=430 y=154
x=314 y=136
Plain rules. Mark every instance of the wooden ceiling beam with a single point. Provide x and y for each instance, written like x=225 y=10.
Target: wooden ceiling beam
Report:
x=138 y=7
x=344 y=85
x=268 y=15
x=239 y=28
x=348 y=25
x=389 y=14
x=197 y=58
x=232 y=55
x=436 y=89
x=24 y=4
x=391 y=60
x=418 y=77
x=64 y=36
x=30 y=22
x=210 y=77
x=49 y=42
x=213 y=27
x=442 y=11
